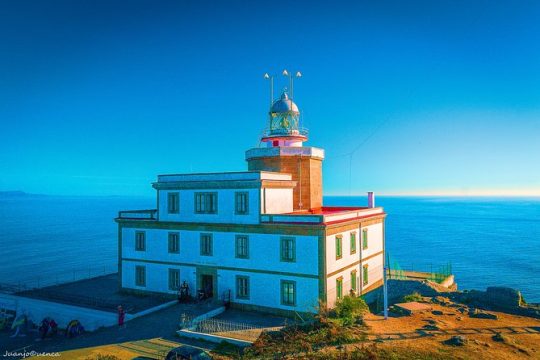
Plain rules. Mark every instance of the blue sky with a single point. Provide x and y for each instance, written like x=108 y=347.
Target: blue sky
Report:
x=98 y=97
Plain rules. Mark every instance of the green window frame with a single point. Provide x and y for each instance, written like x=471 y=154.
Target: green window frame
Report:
x=242 y=287
x=173 y=203
x=174 y=243
x=140 y=275
x=339 y=288
x=241 y=203
x=140 y=241
x=206 y=245
x=288 y=293
x=174 y=279
x=364 y=239
x=242 y=246
x=206 y=202
x=365 y=272
x=353 y=242
x=339 y=247
x=288 y=249
x=353 y=280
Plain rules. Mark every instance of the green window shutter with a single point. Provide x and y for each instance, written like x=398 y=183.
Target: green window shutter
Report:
x=353 y=280
x=365 y=275
x=339 y=252
x=339 y=288
x=353 y=243
x=288 y=249
x=288 y=293
x=364 y=239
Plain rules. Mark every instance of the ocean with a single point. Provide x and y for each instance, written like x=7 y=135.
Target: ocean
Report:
x=487 y=241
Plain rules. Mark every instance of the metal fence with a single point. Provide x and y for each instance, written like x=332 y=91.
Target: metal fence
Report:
x=429 y=271
x=237 y=330
x=41 y=281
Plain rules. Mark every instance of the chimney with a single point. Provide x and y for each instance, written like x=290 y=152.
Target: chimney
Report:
x=371 y=199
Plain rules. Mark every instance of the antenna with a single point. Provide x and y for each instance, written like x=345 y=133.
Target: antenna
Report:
x=271 y=78
x=291 y=81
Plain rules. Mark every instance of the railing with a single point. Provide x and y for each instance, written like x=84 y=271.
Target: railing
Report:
x=41 y=281
x=232 y=329
x=435 y=273
x=301 y=131
x=138 y=214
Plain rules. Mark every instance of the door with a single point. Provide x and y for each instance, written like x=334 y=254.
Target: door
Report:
x=207 y=282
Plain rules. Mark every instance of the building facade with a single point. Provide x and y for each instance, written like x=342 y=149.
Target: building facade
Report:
x=261 y=237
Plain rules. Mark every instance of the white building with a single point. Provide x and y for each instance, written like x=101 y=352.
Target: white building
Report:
x=260 y=236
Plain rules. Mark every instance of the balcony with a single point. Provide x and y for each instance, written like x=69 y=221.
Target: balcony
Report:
x=138 y=214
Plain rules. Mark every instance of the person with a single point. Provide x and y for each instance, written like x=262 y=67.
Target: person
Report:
x=184 y=292
x=121 y=316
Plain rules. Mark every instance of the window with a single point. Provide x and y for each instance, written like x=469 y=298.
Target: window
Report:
x=353 y=243
x=288 y=292
x=241 y=203
x=140 y=240
x=288 y=251
x=339 y=250
x=173 y=205
x=364 y=239
x=174 y=279
x=365 y=275
x=353 y=280
x=339 y=288
x=140 y=275
x=206 y=203
x=206 y=244
x=242 y=246
x=174 y=243
x=242 y=287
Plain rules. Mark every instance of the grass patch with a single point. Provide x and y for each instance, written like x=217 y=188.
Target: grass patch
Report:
x=415 y=296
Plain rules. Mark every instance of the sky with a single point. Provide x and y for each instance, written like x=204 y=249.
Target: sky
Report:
x=406 y=97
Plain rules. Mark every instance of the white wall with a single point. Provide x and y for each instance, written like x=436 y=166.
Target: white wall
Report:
x=37 y=310
x=264 y=255
x=265 y=289
x=276 y=201
x=264 y=250
x=225 y=210
x=375 y=263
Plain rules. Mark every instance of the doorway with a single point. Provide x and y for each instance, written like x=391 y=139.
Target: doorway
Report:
x=207 y=284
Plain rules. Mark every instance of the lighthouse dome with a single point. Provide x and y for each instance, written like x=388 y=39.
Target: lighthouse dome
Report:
x=284 y=105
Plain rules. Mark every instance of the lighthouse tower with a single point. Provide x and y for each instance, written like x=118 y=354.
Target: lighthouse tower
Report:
x=285 y=152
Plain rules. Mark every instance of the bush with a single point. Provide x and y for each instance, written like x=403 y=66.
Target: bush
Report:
x=415 y=296
x=350 y=308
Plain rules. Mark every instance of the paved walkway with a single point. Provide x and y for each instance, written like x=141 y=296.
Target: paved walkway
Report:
x=99 y=293
x=161 y=325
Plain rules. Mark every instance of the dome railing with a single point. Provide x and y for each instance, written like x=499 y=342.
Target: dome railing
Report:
x=301 y=131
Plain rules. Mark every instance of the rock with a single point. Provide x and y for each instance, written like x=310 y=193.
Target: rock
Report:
x=504 y=296
x=459 y=318
x=458 y=340
x=482 y=315
x=501 y=338
x=437 y=312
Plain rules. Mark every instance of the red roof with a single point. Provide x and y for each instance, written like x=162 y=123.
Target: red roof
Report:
x=327 y=210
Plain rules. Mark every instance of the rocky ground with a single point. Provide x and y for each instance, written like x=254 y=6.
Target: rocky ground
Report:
x=453 y=329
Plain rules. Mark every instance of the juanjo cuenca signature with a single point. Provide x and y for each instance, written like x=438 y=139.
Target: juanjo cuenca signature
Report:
x=25 y=354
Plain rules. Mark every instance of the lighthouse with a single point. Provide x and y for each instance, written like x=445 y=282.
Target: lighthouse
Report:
x=285 y=153
x=261 y=239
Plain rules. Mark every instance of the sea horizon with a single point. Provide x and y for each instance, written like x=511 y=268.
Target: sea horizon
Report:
x=423 y=233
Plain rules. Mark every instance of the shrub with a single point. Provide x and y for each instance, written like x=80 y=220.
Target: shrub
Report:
x=415 y=296
x=349 y=308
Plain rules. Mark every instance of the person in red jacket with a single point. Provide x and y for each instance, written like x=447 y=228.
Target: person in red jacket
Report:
x=121 y=316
